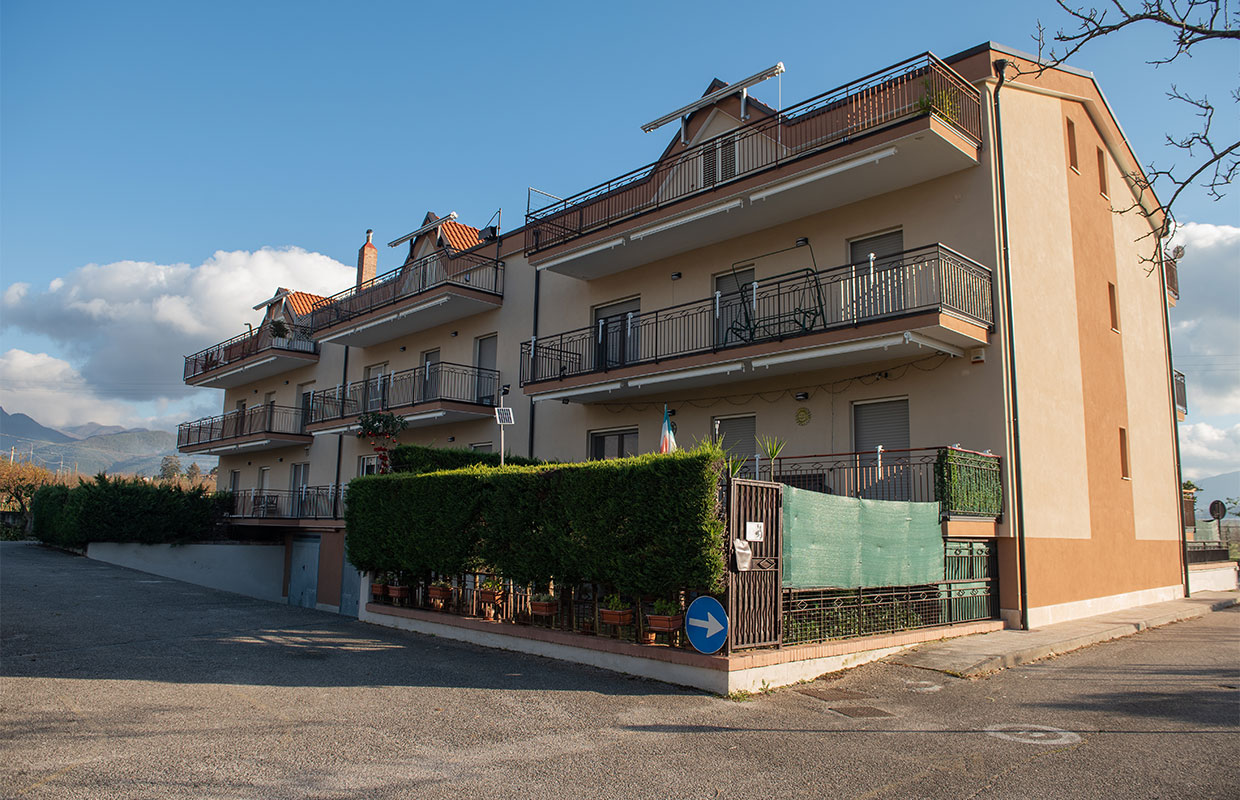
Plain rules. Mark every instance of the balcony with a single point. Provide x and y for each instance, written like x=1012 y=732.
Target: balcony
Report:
x=1172 y=269
x=433 y=290
x=1180 y=390
x=251 y=356
x=283 y=505
x=898 y=127
x=428 y=395
x=264 y=427
x=930 y=297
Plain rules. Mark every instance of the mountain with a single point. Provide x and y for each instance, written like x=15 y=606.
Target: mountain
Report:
x=1220 y=487
x=93 y=429
x=130 y=451
x=20 y=426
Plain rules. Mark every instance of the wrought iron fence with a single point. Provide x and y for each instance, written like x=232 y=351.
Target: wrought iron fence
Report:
x=267 y=418
x=965 y=595
x=1181 y=391
x=468 y=270
x=794 y=304
x=919 y=86
x=441 y=380
x=306 y=502
x=1205 y=552
x=296 y=340
x=1171 y=267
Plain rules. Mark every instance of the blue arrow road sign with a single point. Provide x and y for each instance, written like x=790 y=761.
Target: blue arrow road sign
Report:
x=706 y=623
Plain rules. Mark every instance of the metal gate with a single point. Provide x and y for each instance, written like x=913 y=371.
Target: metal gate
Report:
x=754 y=595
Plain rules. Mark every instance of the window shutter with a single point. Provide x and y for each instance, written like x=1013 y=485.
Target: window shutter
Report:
x=739 y=435
x=708 y=166
x=880 y=423
x=727 y=159
x=882 y=246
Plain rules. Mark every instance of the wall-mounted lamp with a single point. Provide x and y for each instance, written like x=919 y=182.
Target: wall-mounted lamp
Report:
x=801 y=396
x=802 y=242
x=286 y=383
x=503 y=391
x=563 y=401
x=451 y=438
x=453 y=334
x=281 y=459
x=402 y=348
x=671 y=412
x=675 y=276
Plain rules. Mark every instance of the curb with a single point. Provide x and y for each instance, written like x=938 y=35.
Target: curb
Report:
x=994 y=664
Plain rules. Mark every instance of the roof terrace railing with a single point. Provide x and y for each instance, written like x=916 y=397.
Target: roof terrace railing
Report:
x=267 y=418
x=795 y=304
x=1181 y=391
x=468 y=270
x=430 y=383
x=920 y=86
x=296 y=339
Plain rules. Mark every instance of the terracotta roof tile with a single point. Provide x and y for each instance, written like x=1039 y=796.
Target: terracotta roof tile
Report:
x=458 y=236
x=301 y=302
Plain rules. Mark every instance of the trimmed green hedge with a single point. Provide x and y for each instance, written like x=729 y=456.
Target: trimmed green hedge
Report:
x=968 y=483
x=120 y=510
x=420 y=459
x=648 y=525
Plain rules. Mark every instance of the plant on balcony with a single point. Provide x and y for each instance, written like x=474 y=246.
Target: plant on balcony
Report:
x=666 y=617
x=381 y=428
x=543 y=604
x=278 y=329
x=614 y=610
x=941 y=101
x=439 y=593
x=967 y=483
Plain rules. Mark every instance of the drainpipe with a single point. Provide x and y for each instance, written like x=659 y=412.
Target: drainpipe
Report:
x=344 y=382
x=1175 y=422
x=537 y=287
x=1022 y=575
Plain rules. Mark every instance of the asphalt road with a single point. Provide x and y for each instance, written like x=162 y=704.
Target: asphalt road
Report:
x=119 y=684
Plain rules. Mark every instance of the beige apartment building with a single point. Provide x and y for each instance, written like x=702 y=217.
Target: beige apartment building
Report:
x=928 y=256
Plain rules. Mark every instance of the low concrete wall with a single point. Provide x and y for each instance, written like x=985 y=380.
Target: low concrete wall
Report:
x=255 y=570
x=1217 y=577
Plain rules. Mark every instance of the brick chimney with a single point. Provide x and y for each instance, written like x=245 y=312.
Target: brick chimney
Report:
x=367 y=260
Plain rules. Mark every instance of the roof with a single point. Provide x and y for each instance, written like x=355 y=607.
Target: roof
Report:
x=458 y=236
x=301 y=302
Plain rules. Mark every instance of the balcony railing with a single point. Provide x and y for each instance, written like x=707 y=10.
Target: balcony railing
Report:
x=1181 y=391
x=247 y=344
x=307 y=502
x=962 y=482
x=1171 y=267
x=920 y=86
x=434 y=382
x=1204 y=552
x=268 y=418
x=467 y=270
x=787 y=306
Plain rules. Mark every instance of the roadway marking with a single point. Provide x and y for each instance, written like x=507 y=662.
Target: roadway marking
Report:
x=1028 y=733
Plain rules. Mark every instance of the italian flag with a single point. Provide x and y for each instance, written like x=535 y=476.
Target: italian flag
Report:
x=667 y=440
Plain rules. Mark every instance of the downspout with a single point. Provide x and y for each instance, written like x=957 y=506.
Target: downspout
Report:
x=537 y=287
x=1175 y=423
x=344 y=382
x=1001 y=66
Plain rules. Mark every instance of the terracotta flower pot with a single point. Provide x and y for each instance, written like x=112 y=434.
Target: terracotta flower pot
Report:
x=544 y=608
x=658 y=623
x=398 y=594
x=377 y=590
x=609 y=617
x=439 y=596
x=490 y=595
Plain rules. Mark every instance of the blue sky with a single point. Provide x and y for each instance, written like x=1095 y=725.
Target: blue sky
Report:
x=162 y=133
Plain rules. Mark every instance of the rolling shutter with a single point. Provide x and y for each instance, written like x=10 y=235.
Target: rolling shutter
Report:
x=882 y=246
x=883 y=423
x=739 y=435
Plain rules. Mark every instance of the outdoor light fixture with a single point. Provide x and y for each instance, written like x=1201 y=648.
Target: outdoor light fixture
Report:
x=675 y=276
x=801 y=396
x=503 y=390
x=802 y=241
x=402 y=348
x=451 y=438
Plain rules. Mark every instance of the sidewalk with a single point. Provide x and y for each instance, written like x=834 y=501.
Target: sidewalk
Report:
x=973 y=656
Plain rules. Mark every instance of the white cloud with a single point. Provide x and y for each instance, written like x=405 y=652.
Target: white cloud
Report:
x=1206 y=450
x=128 y=325
x=1205 y=324
x=52 y=391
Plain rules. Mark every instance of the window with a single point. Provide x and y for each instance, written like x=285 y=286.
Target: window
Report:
x=374 y=386
x=613 y=444
x=719 y=161
x=269 y=398
x=884 y=247
x=1124 y=470
x=481 y=447
x=1072 y=162
x=738 y=437
x=1102 y=173
x=884 y=476
x=735 y=320
x=430 y=375
x=1114 y=300
x=300 y=477
x=484 y=356
x=615 y=342
x=878 y=290
x=368 y=465
x=234 y=481
x=264 y=475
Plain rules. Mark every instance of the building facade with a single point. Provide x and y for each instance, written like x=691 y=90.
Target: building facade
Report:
x=927 y=257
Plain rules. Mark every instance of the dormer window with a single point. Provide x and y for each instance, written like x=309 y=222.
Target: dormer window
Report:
x=719 y=161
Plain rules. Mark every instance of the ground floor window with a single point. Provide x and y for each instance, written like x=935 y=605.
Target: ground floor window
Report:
x=481 y=447
x=368 y=465
x=613 y=444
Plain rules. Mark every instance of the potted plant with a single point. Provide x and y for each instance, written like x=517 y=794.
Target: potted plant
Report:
x=398 y=589
x=615 y=611
x=543 y=604
x=439 y=592
x=279 y=333
x=491 y=590
x=378 y=586
x=667 y=617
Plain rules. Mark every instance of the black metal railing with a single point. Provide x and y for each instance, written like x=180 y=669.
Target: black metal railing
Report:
x=1181 y=391
x=962 y=482
x=1205 y=552
x=433 y=382
x=468 y=270
x=800 y=303
x=919 y=86
x=1172 y=269
x=296 y=339
x=306 y=502
x=267 y=418
x=966 y=594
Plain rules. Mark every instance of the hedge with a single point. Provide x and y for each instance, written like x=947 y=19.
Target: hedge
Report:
x=420 y=459
x=968 y=483
x=648 y=525
x=124 y=510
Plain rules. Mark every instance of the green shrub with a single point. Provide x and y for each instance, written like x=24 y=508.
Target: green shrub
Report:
x=968 y=483
x=643 y=525
x=419 y=459
x=120 y=510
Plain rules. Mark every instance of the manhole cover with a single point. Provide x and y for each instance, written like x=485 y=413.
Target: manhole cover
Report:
x=1026 y=733
x=862 y=711
x=833 y=695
